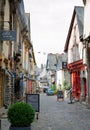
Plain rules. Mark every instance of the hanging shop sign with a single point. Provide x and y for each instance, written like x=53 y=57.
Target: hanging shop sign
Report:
x=64 y=65
x=7 y=35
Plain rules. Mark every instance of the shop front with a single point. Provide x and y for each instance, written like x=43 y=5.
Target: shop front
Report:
x=78 y=80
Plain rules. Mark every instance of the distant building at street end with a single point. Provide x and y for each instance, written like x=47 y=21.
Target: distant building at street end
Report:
x=56 y=67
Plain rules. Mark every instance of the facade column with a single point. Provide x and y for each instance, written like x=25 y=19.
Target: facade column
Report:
x=88 y=89
x=82 y=96
x=88 y=74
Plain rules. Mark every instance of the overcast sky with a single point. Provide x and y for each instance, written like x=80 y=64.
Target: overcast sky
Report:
x=50 y=20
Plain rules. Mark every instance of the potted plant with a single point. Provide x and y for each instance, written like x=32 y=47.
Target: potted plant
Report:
x=20 y=115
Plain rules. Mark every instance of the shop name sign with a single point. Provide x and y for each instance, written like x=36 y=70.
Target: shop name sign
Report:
x=7 y=35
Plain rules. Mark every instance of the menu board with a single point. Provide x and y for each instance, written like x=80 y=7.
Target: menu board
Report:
x=34 y=100
x=60 y=94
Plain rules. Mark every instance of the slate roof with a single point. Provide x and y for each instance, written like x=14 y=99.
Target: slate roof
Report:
x=59 y=63
x=51 y=62
x=61 y=58
x=80 y=19
x=54 y=61
x=79 y=13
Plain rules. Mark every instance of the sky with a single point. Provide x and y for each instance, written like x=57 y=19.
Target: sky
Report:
x=49 y=21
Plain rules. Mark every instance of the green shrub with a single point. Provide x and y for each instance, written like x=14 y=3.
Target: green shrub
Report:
x=65 y=85
x=54 y=87
x=20 y=114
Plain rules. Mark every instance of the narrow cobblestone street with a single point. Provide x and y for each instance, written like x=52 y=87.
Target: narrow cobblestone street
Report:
x=58 y=115
x=61 y=115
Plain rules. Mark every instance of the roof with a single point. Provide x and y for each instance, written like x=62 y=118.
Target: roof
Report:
x=51 y=62
x=54 y=61
x=61 y=58
x=79 y=13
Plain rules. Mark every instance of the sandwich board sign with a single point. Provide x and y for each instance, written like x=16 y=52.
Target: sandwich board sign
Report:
x=34 y=100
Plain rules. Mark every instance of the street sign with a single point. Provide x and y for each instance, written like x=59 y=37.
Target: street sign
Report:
x=7 y=35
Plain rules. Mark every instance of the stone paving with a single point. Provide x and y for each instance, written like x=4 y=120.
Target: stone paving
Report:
x=58 y=115
x=61 y=115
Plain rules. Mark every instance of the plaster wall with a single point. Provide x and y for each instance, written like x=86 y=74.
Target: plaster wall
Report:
x=87 y=19
x=74 y=40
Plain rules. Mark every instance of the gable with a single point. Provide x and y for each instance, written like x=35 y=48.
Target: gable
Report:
x=78 y=14
x=51 y=62
x=74 y=37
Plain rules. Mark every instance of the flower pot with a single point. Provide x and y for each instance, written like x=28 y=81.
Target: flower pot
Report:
x=19 y=128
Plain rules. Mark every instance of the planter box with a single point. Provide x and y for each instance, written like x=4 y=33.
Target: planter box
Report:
x=19 y=128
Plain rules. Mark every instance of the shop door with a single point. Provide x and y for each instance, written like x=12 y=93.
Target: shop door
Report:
x=85 y=88
x=78 y=84
x=74 y=85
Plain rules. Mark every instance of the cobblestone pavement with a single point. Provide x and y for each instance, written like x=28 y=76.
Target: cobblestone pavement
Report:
x=58 y=115
x=61 y=115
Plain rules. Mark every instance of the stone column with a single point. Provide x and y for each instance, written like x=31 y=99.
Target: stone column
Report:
x=2 y=3
x=88 y=75
x=82 y=90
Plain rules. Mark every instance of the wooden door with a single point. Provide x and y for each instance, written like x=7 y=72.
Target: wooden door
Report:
x=78 y=84
x=85 y=88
